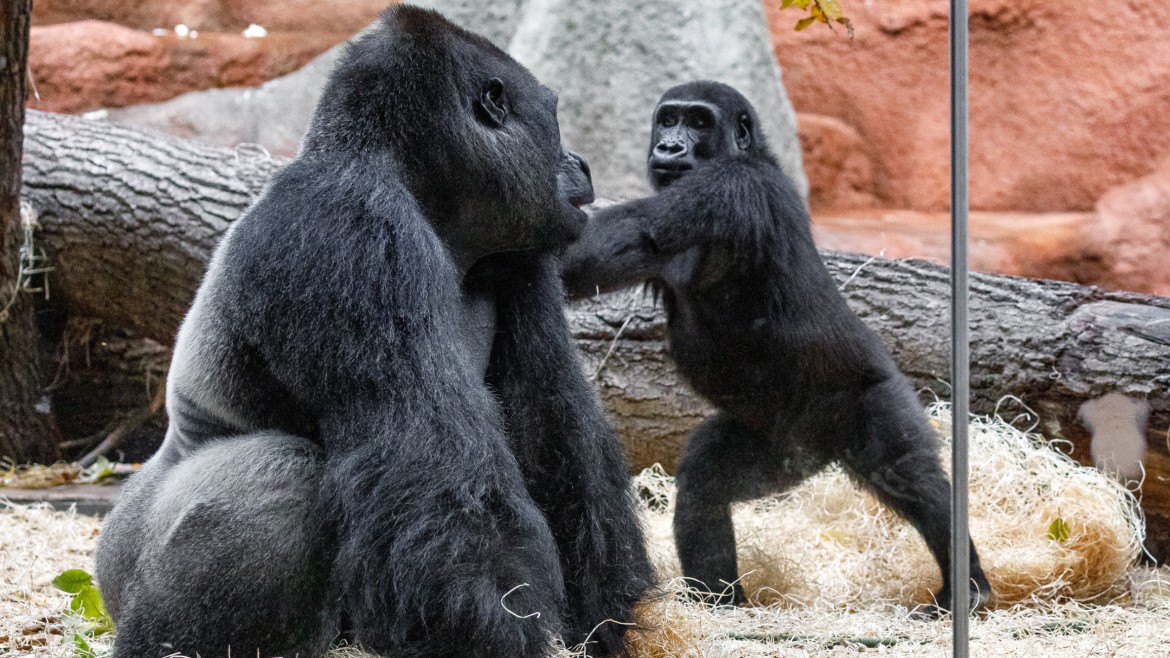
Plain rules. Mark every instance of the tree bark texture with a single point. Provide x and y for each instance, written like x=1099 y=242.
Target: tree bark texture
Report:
x=131 y=217
x=25 y=433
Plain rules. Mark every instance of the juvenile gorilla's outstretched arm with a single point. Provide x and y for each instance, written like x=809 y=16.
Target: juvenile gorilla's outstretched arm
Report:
x=569 y=455
x=668 y=236
x=614 y=252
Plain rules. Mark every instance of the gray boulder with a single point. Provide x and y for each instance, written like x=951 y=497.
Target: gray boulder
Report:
x=610 y=61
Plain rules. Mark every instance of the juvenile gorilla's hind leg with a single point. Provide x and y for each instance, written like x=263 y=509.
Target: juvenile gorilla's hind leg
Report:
x=896 y=457
x=724 y=462
x=229 y=562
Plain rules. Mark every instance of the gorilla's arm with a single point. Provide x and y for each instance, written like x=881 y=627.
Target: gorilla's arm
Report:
x=570 y=456
x=616 y=250
x=665 y=236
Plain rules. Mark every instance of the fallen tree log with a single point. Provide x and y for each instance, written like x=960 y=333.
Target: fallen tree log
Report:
x=130 y=218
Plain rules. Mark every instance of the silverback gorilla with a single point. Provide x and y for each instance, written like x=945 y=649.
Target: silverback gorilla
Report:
x=758 y=327
x=379 y=429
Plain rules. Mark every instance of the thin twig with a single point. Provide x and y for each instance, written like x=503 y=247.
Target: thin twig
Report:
x=115 y=438
x=32 y=81
x=612 y=347
x=856 y=272
x=513 y=613
x=869 y=642
x=86 y=441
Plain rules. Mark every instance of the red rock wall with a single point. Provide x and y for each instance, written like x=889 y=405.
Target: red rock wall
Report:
x=217 y=15
x=89 y=54
x=1067 y=99
x=86 y=65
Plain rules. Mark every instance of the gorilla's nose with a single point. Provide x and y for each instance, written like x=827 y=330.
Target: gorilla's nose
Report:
x=673 y=148
x=575 y=179
x=573 y=155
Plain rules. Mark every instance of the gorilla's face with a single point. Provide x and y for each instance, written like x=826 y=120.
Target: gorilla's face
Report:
x=695 y=124
x=471 y=133
x=574 y=188
x=539 y=206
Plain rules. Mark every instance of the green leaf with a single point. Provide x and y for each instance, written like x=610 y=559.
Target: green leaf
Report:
x=83 y=648
x=805 y=22
x=88 y=603
x=1059 y=531
x=73 y=581
x=785 y=4
x=101 y=469
x=803 y=4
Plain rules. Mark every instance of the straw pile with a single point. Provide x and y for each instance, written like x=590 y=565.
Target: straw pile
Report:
x=832 y=573
x=37 y=544
x=828 y=544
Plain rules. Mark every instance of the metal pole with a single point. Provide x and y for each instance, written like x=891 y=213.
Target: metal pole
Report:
x=960 y=347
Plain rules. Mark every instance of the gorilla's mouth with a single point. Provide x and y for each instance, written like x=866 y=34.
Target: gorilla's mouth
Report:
x=671 y=168
x=581 y=197
x=665 y=174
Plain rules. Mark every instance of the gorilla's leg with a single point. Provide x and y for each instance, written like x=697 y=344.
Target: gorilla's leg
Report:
x=441 y=552
x=725 y=462
x=219 y=552
x=571 y=457
x=895 y=455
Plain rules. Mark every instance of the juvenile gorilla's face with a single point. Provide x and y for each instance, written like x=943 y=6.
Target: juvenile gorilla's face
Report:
x=694 y=124
x=685 y=133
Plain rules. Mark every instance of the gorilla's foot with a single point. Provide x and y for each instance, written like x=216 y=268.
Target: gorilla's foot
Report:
x=979 y=597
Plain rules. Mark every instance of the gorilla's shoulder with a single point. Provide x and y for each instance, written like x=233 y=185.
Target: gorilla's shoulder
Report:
x=331 y=194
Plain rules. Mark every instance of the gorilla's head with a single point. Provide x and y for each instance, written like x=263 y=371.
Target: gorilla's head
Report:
x=700 y=122
x=470 y=132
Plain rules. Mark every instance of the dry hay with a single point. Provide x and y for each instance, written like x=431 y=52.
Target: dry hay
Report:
x=37 y=476
x=837 y=571
x=1134 y=626
x=827 y=544
x=37 y=544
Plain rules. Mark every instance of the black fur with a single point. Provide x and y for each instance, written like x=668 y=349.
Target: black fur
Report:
x=758 y=328
x=379 y=428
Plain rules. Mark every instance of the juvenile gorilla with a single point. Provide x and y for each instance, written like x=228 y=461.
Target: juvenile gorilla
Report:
x=758 y=328
x=378 y=426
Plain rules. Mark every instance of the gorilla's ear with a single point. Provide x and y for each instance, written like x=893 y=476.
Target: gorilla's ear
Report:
x=493 y=103
x=743 y=132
